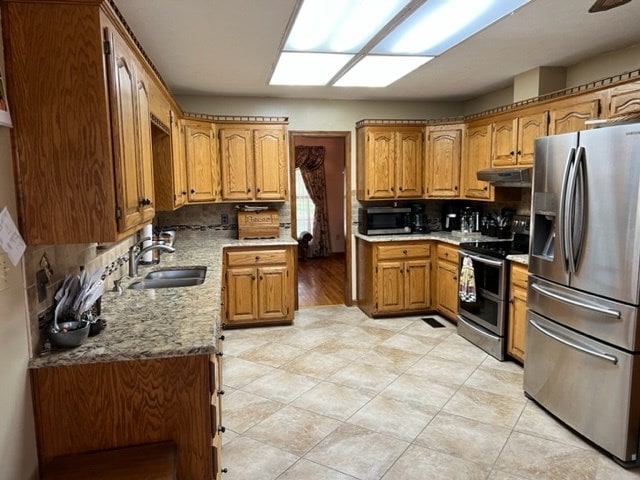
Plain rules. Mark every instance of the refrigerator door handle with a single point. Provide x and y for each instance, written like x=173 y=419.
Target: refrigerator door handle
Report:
x=561 y=298
x=570 y=211
x=569 y=343
x=563 y=223
x=578 y=206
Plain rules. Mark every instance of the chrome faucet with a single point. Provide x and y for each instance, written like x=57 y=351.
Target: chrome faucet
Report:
x=136 y=252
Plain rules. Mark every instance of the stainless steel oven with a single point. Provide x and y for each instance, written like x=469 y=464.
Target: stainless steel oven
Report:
x=483 y=321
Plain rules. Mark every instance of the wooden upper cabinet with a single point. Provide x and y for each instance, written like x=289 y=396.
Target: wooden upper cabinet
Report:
x=571 y=116
x=409 y=162
x=477 y=157
x=625 y=100
x=270 y=167
x=513 y=139
x=178 y=162
x=253 y=163
x=236 y=164
x=444 y=154
x=82 y=139
x=202 y=178
x=390 y=160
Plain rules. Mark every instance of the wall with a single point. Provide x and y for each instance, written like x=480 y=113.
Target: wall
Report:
x=334 y=169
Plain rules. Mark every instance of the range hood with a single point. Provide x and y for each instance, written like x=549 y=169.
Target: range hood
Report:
x=507 y=177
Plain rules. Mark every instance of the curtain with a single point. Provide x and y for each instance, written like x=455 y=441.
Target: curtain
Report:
x=310 y=161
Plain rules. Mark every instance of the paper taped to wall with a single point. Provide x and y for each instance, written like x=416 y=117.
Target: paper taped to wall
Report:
x=10 y=239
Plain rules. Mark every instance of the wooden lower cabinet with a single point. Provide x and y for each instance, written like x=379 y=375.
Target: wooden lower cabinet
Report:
x=100 y=406
x=517 y=311
x=259 y=286
x=447 y=281
x=394 y=277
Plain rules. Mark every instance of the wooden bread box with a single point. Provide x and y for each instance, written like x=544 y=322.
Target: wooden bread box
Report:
x=263 y=224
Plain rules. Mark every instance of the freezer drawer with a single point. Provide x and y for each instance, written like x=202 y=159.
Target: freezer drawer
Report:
x=612 y=322
x=590 y=386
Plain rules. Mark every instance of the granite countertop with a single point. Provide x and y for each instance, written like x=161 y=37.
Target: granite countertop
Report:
x=166 y=322
x=447 y=237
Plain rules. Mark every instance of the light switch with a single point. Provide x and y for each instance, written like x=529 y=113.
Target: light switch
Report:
x=4 y=271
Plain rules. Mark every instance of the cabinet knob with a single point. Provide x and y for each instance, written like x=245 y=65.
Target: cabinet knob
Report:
x=222 y=429
x=221 y=338
x=224 y=470
x=253 y=277
x=249 y=190
x=485 y=188
x=455 y=187
x=220 y=392
x=400 y=188
x=392 y=189
x=184 y=192
x=404 y=251
x=219 y=354
x=401 y=271
x=455 y=277
x=193 y=191
x=446 y=254
x=512 y=153
x=519 y=152
x=257 y=257
x=258 y=190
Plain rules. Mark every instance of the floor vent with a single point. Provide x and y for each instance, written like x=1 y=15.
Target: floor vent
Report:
x=432 y=322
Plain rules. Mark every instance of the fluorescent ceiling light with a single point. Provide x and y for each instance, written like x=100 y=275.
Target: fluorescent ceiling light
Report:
x=340 y=26
x=440 y=24
x=379 y=71
x=307 y=68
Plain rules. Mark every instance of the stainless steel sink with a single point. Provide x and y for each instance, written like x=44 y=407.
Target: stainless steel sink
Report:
x=181 y=272
x=166 y=282
x=172 y=278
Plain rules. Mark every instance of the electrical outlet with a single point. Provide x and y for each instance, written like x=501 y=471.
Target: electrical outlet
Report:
x=224 y=219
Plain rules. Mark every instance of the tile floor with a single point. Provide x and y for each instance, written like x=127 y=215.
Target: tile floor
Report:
x=339 y=396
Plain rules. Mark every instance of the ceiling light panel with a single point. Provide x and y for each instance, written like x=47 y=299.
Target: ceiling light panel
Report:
x=307 y=68
x=340 y=26
x=379 y=71
x=438 y=25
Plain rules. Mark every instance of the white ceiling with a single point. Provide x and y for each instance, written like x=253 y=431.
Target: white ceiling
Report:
x=229 y=47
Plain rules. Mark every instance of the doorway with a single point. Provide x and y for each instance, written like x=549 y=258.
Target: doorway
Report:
x=324 y=280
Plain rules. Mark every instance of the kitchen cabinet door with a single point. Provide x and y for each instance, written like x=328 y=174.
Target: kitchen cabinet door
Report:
x=202 y=178
x=124 y=101
x=478 y=157
x=504 y=142
x=517 y=312
x=242 y=298
x=178 y=162
x=145 y=160
x=236 y=164
x=270 y=164
x=444 y=150
x=272 y=292
x=409 y=161
x=625 y=100
x=571 y=117
x=447 y=289
x=417 y=287
x=390 y=287
x=530 y=127
x=380 y=165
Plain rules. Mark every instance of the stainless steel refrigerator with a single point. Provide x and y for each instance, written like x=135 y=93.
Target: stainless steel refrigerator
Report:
x=582 y=339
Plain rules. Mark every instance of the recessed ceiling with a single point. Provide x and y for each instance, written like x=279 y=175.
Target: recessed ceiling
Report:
x=229 y=48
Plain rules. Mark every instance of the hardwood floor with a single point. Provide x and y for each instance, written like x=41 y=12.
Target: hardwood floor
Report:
x=321 y=281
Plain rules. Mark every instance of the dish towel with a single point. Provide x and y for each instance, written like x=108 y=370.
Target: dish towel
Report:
x=467 y=285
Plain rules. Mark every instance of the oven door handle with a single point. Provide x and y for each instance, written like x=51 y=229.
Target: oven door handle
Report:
x=565 y=341
x=561 y=298
x=478 y=330
x=495 y=263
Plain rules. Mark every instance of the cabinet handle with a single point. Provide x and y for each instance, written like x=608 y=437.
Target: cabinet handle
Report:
x=253 y=277
x=219 y=354
x=258 y=190
x=404 y=251
x=512 y=153
x=249 y=190
x=184 y=192
x=220 y=392
x=193 y=191
x=402 y=271
x=400 y=188
x=485 y=188
x=261 y=277
x=221 y=338
x=224 y=470
x=222 y=429
x=257 y=257
x=519 y=152
x=455 y=187
x=392 y=189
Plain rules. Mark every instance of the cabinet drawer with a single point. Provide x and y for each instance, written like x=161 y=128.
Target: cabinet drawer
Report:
x=448 y=253
x=519 y=276
x=255 y=257
x=404 y=250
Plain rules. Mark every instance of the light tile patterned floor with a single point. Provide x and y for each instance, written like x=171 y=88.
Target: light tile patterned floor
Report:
x=339 y=396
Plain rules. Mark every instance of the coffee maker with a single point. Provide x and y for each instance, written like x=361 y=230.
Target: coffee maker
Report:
x=418 y=224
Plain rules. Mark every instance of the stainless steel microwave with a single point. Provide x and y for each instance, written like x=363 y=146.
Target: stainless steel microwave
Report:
x=384 y=220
